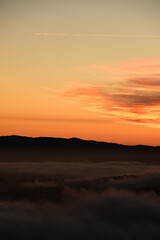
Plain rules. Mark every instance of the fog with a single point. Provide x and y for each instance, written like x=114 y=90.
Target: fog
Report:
x=110 y=200
x=73 y=170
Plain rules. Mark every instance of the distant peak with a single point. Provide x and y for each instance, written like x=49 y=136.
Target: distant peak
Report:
x=76 y=139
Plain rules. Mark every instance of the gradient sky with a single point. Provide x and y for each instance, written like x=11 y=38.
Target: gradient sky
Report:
x=88 y=69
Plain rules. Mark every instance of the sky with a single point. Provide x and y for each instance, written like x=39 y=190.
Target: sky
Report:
x=87 y=69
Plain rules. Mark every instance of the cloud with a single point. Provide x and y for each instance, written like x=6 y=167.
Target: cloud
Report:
x=136 y=67
x=130 y=93
x=144 y=84
x=142 y=66
x=84 y=214
x=146 y=81
x=95 y=35
x=105 y=207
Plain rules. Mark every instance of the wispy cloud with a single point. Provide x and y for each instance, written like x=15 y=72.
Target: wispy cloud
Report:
x=137 y=67
x=127 y=99
x=95 y=35
x=54 y=119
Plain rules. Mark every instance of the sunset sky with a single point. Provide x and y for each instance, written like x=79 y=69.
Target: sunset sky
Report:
x=86 y=69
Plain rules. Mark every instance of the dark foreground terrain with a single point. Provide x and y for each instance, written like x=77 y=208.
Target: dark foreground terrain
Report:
x=21 y=149
x=57 y=189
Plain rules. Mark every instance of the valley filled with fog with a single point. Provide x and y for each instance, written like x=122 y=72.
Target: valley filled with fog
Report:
x=52 y=200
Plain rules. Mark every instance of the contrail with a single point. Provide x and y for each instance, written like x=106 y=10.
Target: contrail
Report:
x=96 y=35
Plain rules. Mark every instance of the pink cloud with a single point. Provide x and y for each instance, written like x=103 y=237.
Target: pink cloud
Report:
x=143 y=65
x=137 y=66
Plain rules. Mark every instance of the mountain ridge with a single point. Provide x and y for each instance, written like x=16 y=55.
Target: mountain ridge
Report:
x=74 y=139
x=29 y=149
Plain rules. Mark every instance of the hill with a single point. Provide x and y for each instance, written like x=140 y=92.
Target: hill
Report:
x=19 y=148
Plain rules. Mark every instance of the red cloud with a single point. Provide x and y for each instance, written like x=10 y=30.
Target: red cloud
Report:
x=132 y=99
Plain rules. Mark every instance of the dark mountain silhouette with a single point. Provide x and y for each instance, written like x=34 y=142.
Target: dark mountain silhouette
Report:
x=20 y=148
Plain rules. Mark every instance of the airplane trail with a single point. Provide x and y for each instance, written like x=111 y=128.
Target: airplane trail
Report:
x=95 y=35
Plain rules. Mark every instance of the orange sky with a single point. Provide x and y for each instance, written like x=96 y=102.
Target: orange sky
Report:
x=88 y=69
